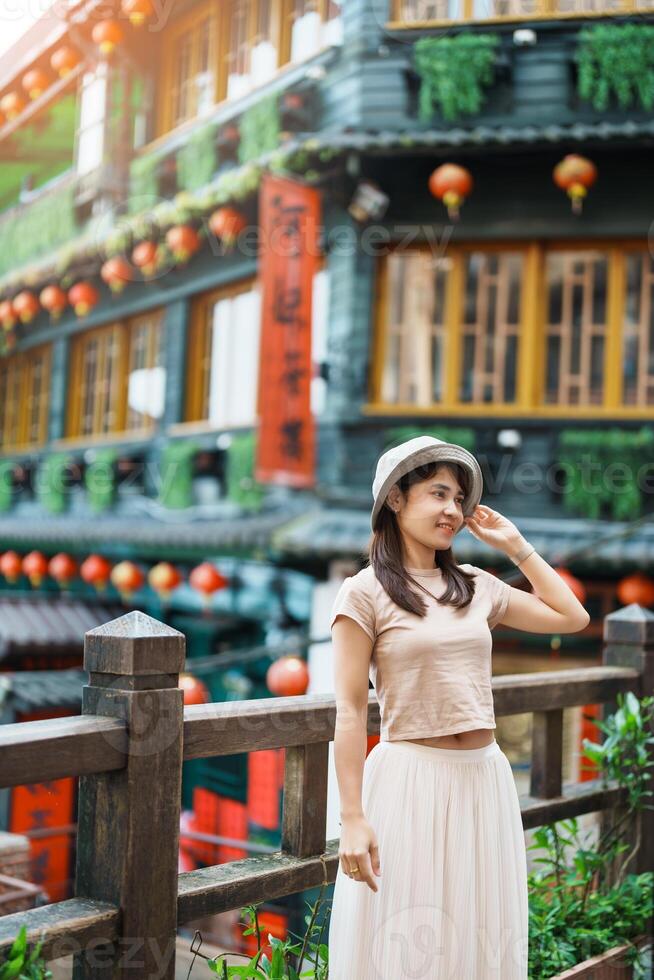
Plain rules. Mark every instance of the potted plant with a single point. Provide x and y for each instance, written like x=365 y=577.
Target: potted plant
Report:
x=586 y=913
x=23 y=964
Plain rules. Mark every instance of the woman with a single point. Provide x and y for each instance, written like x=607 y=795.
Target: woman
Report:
x=432 y=875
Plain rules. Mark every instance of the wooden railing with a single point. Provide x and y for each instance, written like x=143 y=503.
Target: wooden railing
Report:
x=128 y=746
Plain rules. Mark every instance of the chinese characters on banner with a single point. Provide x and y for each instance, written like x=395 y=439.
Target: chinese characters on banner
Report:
x=289 y=219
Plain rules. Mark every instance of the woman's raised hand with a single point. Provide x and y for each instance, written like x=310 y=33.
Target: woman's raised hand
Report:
x=358 y=848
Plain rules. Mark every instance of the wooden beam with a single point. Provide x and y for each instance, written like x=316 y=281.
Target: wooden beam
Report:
x=305 y=799
x=547 y=754
x=65 y=927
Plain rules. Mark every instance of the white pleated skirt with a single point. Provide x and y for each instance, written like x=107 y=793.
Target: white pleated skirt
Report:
x=452 y=896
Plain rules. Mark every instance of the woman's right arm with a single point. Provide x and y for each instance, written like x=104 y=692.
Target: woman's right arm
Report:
x=352 y=649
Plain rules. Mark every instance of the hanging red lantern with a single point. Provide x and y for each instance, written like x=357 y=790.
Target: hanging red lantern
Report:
x=116 y=272
x=227 y=224
x=11 y=566
x=288 y=676
x=451 y=184
x=83 y=297
x=206 y=578
x=8 y=315
x=638 y=588
x=35 y=82
x=195 y=692
x=144 y=257
x=12 y=104
x=163 y=578
x=138 y=11
x=26 y=306
x=54 y=300
x=575 y=174
x=183 y=241
x=35 y=566
x=64 y=59
x=95 y=570
x=107 y=35
x=62 y=569
x=127 y=578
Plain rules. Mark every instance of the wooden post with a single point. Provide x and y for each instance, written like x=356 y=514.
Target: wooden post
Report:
x=547 y=754
x=128 y=819
x=629 y=642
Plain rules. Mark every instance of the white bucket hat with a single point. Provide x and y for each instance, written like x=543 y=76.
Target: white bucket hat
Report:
x=399 y=460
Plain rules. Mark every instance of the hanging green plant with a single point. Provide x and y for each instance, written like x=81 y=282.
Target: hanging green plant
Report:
x=100 y=480
x=176 y=473
x=51 y=482
x=454 y=73
x=144 y=182
x=616 y=60
x=196 y=159
x=6 y=483
x=242 y=488
x=604 y=469
x=259 y=128
x=458 y=435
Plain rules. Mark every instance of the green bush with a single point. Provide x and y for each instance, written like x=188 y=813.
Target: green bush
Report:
x=21 y=964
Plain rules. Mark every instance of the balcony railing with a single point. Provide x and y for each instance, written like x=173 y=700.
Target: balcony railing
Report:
x=134 y=733
x=425 y=13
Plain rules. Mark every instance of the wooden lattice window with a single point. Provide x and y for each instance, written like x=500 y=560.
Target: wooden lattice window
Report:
x=490 y=327
x=24 y=387
x=309 y=26
x=191 y=77
x=576 y=326
x=638 y=330
x=117 y=379
x=223 y=356
x=413 y=366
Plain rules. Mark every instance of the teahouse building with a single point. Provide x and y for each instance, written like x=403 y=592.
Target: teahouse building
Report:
x=246 y=245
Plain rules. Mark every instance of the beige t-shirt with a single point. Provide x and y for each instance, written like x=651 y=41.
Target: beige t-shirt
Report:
x=431 y=674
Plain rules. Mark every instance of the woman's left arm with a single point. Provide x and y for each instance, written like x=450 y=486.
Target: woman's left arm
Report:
x=553 y=607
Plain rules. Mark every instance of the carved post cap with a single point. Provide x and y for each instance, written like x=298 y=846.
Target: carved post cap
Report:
x=135 y=645
x=632 y=624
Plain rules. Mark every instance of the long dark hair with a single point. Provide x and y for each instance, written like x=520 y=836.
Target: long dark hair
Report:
x=385 y=552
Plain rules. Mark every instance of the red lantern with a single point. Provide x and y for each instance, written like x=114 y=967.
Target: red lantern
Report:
x=144 y=257
x=205 y=578
x=26 y=306
x=163 y=578
x=127 y=578
x=107 y=34
x=636 y=588
x=183 y=241
x=35 y=82
x=64 y=60
x=95 y=571
x=575 y=174
x=54 y=300
x=83 y=297
x=116 y=272
x=35 y=566
x=227 y=224
x=195 y=692
x=8 y=315
x=138 y=11
x=11 y=566
x=12 y=104
x=288 y=676
x=62 y=569
x=451 y=184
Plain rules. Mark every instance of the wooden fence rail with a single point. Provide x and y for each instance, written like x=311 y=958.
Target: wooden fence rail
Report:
x=127 y=749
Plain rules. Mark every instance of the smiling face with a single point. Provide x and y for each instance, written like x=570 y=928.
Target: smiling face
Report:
x=425 y=508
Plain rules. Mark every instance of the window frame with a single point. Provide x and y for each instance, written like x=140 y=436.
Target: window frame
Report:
x=121 y=330
x=546 y=10
x=530 y=382
x=23 y=363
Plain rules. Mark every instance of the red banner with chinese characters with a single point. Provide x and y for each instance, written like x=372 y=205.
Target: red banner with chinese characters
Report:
x=289 y=215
